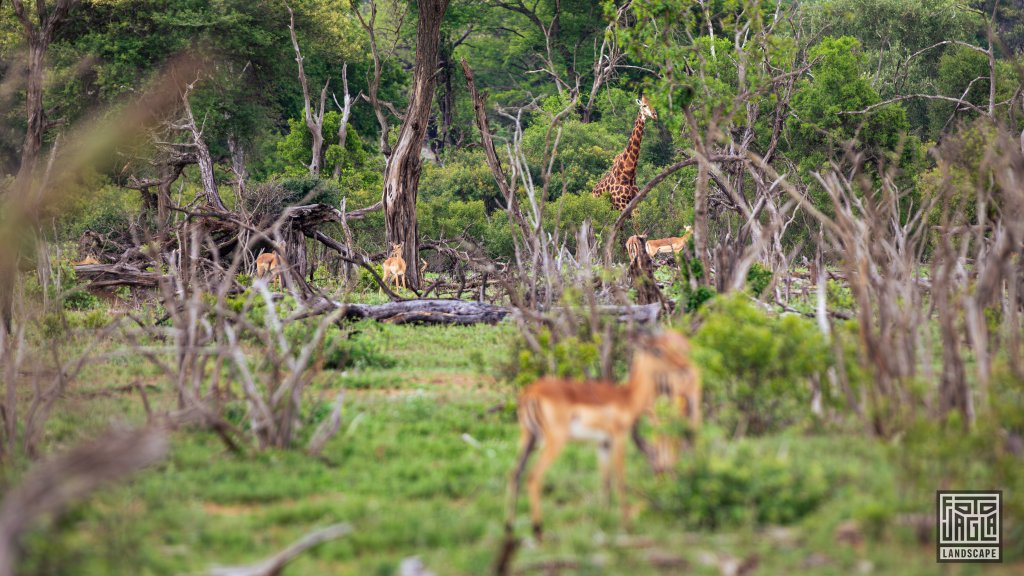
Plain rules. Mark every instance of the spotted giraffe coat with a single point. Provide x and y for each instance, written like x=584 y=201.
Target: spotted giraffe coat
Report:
x=620 y=181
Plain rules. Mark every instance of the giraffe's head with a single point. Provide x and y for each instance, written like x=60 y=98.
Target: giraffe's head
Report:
x=645 y=108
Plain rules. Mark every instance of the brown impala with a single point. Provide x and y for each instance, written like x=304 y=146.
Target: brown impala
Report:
x=668 y=245
x=556 y=410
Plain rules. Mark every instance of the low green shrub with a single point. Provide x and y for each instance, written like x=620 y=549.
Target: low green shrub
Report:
x=756 y=365
x=343 y=351
x=570 y=357
x=740 y=486
x=758 y=278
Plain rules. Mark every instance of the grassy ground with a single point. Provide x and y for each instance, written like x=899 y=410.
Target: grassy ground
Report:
x=419 y=468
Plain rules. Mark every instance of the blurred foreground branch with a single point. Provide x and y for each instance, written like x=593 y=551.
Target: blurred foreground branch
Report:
x=52 y=486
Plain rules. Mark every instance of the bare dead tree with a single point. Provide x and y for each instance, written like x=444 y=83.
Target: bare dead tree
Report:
x=550 y=30
x=402 y=173
x=314 y=118
x=608 y=57
x=380 y=56
x=506 y=183
x=346 y=112
x=199 y=148
x=880 y=248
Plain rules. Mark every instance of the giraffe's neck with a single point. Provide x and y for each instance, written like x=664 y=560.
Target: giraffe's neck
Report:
x=632 y=152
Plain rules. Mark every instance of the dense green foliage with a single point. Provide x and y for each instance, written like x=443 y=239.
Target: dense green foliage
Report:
x=249 y=97
x=756 y=366
x=864 y=87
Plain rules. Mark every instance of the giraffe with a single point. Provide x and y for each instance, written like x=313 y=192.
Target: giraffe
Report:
x=620 y=181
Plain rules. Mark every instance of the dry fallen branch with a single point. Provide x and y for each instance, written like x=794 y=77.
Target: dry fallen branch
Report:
x=109 y=275
x=275 y=564
x=50 y=487
x=438 y=311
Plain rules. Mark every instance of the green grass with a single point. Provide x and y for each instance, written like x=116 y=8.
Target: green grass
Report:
x=419 y=468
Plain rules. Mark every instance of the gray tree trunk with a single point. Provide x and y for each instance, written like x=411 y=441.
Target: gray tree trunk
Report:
x=402 y=175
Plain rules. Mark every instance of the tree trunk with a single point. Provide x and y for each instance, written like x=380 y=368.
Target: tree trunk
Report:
x=314 y=119
x=35 y=113
x=446 y=98
x=237 y=163
x=700 y=219
x=641 y=272
x=202 y=152
x=402 y=175
x=346 y=112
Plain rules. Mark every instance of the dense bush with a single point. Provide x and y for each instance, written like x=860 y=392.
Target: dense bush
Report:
x=109 y=210
x=445 y=217
x=464 y=176
x=570 y=357
x=756 y=365
x=565 y=215
x=758 y=278
x=585 y=152
x=985 y=455
x=739 y=486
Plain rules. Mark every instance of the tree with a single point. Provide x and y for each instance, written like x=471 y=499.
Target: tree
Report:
x=38 y=33
x=314 y=118
x=402 y=174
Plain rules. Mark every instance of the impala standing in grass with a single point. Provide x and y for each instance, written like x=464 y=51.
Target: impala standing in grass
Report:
x=394 y=267
x=553 y=411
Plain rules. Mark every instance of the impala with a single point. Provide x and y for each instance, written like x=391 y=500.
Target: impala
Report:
x=633 y=246
x=395 y=266
x=269 y=263
x=553 y=411
x=87 y=261
x=668 y=245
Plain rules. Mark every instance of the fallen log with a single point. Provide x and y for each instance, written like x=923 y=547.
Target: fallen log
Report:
x=429 y=311
x=441 y=311
x=109 y=275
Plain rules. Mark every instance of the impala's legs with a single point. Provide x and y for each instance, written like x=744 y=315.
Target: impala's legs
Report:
x=552 y=448
x=527 y=444
x=619 y=465
x=604 y=465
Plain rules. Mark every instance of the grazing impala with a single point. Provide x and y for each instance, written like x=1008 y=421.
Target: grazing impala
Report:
x=554 y=411
x=668 y=245
x=269 y=263
x=395 y=266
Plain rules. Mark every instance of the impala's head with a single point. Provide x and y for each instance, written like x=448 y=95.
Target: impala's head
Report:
x=397 y=248
x=663 y=364
x=645 y=108
x=670 y=348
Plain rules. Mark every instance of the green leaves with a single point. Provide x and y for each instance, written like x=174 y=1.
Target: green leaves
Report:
x=756 y=366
